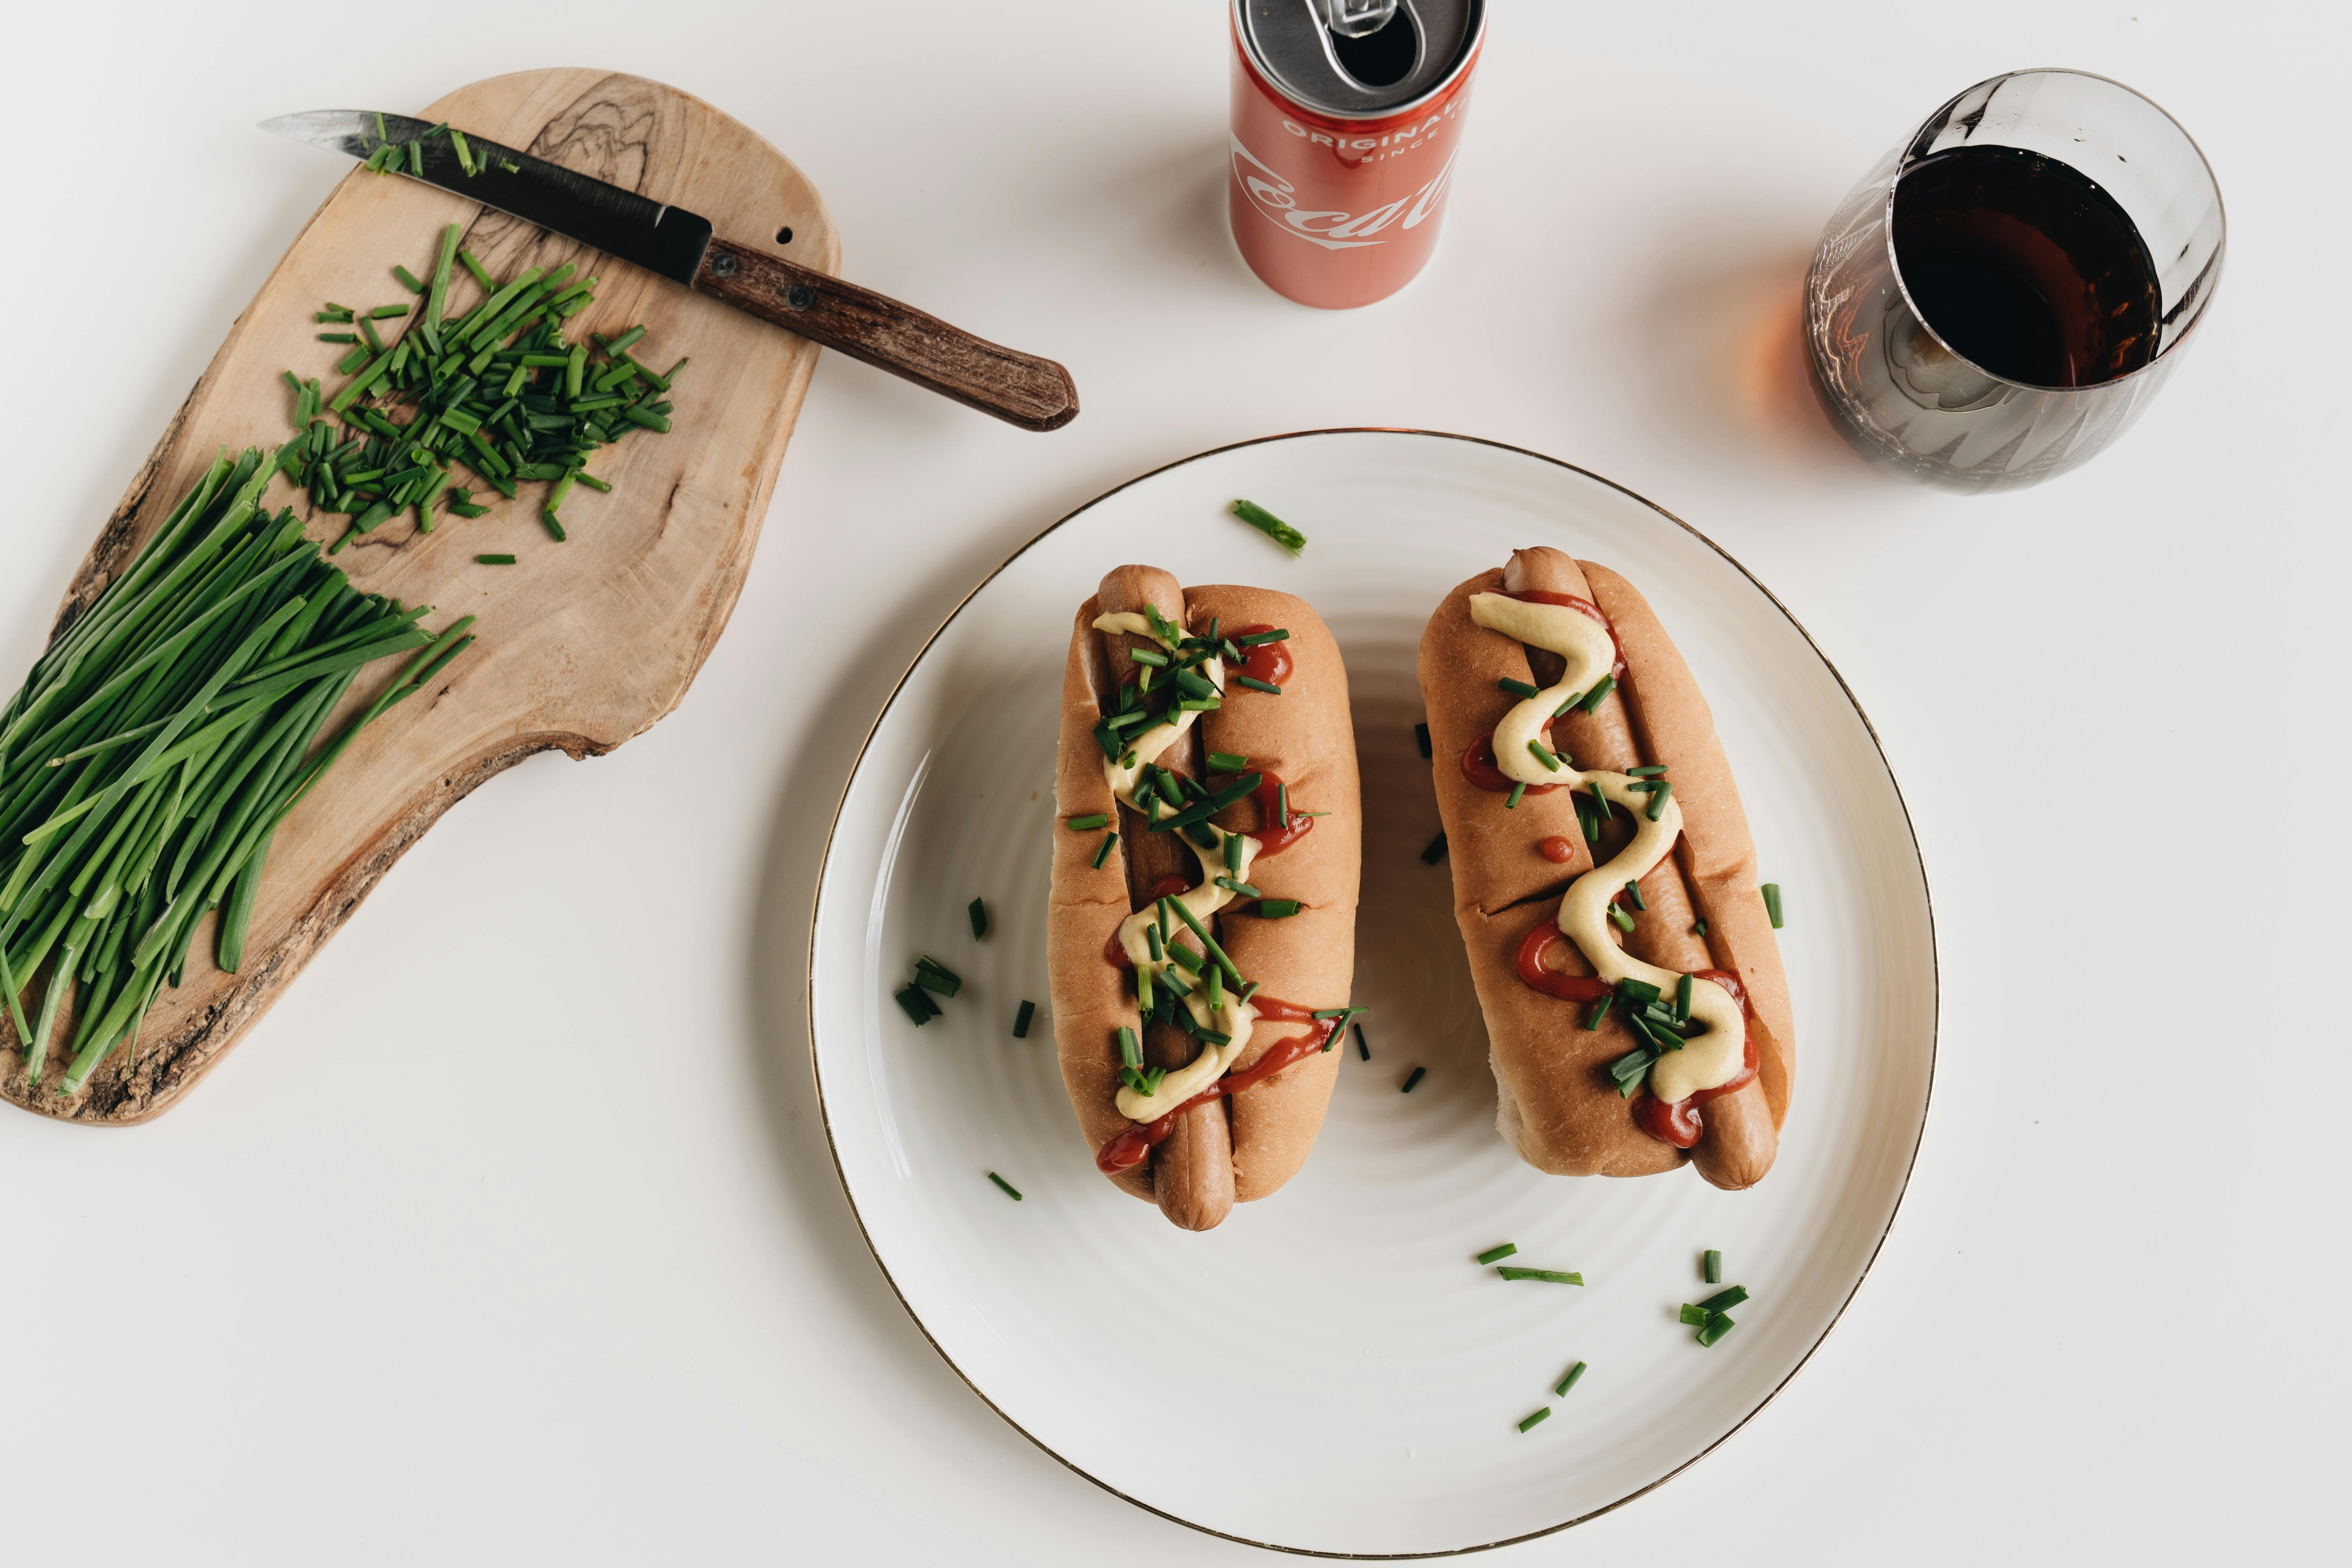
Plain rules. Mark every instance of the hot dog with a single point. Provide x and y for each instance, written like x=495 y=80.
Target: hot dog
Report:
x=1192 y=1049
x=1692 y=1057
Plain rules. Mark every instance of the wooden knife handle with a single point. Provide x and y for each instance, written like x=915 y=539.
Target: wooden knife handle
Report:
x=1022 y=389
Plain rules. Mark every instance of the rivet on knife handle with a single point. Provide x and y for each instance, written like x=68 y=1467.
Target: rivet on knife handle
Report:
x=1034 y=394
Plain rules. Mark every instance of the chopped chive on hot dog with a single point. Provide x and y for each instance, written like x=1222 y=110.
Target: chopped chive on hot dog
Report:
x=1519 y=793
x=1228 y=763
x=1658 y=801
x=1633 y=895
x=1279 y=634
x=1536 y=749
x=1254 y=684
x=1549 y=1276
x=1272 y=527
x=1087 y=823
x=1601 y=688
x=1518 y=687
x=1497 y=1254
x=1277 y=909
x=1649 y=771
x=1022 y=1020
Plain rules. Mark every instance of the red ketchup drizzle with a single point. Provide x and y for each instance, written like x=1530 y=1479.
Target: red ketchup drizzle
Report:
x=1129 y=1150
x=1556 y=849
x=1273 y=837
x=1535 y=947
x=1677 y=1122
x=1269 y=662
x=1478 y=767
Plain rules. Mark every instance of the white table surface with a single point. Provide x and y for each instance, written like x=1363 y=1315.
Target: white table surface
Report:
x=512 y=1234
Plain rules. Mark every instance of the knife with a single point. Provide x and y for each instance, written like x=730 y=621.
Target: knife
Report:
x=1022 y=389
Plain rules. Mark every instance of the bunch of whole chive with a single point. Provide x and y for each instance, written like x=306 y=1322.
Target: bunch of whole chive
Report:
x=150 y=756
x=496 y=388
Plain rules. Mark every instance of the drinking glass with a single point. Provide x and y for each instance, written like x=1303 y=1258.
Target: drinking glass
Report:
x=1902 y=394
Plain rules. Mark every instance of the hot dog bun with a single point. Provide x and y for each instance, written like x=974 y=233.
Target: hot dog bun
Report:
x=1245 y=1146
x=1558 y=1107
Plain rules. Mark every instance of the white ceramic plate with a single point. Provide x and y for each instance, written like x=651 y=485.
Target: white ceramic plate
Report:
x=1349 y=1378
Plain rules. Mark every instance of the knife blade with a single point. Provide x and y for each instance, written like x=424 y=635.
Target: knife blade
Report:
x=1023 y=389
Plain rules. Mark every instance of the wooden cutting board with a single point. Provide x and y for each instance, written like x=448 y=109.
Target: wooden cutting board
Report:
x=583 y=643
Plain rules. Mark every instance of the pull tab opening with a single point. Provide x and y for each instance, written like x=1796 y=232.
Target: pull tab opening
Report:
x=1374 y=42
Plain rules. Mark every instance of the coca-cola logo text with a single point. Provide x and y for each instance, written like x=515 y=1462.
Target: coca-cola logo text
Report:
x=1277 y=199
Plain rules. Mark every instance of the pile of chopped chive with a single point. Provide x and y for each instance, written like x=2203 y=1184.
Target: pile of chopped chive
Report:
x=1710 y=1317
x=917 y=999
x=151 y=754
x=495 y=388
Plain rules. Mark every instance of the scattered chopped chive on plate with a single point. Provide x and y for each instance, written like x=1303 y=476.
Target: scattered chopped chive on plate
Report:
x=1272 y=527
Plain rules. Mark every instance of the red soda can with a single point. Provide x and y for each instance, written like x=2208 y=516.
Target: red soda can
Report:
x=1346 y=117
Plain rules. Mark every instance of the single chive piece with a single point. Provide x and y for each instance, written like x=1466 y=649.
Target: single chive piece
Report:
x=918 y=1005
x=1228 y=763
x=1710 y=1266
x=1150 y=656
x=416 y=157
x=1416 y=1077
x=1363 y=1049
x=481 y=274
x=1569 y=1382
x=1279 y=634
x=1693 y=1316
x=1650 y=771
x=1519 y=688
x=1217 y=983
x=339 y=337
x=1152 y=941
x=1009 y=1190
x=1243 y=889
x=1087 y=823
x=1272 y=527
x=1641 y=991
x=978 y=910
x=1600 y=1011
x=1700 y=928
x=1145 y=1002
x=1633 y=895
x=1717 y=1325
x=511 y=166
x=1232 y=850
x=1102 y=850
x=1021 y=1020
x=494 y=560
x=1549 y=1276
x=1254 y=684
x=1772 y=902
x=1683 y=999
x=1434 y=851
x=1421 y=738
x=1207 y=942
x=465 y=151
x=1572 y=699
x=1658 y=801
x=1282 y=806
x=1536 y=749
x=1130 y=1054
x=386 y=312
x=1601 y=688
x=1620 y=919
x=1723 y=1300
x=1519 y=791
x=933 y=976
x=408 y=281
x=1277 y=909
x=1538 y=1416
x=367 y=330
x=1497 y=1254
